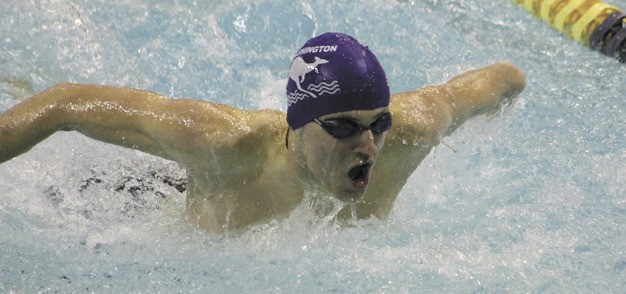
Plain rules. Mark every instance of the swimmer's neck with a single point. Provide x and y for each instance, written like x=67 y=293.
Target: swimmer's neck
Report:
x=297 y=163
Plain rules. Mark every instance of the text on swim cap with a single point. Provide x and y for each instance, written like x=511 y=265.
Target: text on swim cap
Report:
x=316 y=49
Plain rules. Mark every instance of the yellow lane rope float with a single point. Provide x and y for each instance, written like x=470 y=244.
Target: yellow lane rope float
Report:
x=596 y=24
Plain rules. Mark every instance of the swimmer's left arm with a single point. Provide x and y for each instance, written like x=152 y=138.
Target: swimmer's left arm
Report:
x=433 y=112
x=422 y=117
x=482 y=90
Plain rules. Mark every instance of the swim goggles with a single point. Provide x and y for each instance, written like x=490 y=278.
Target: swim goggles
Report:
x=342 y=128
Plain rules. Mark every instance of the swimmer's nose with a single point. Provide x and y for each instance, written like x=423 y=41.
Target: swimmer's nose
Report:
x=366 y=144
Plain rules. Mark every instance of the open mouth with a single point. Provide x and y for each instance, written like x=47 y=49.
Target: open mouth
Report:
x=359 y=175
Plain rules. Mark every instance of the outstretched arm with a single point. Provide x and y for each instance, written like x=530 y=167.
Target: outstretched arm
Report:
x=176 y=129
x=422 y=117
x=433 y=112
x=482 y=90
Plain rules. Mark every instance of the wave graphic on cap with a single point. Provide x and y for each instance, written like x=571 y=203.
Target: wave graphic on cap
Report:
x=333 y=73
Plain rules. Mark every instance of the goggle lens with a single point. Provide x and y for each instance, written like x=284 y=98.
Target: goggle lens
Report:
x=342 y=128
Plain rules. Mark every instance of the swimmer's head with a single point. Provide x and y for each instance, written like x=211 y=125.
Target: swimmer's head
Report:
x=333 y=73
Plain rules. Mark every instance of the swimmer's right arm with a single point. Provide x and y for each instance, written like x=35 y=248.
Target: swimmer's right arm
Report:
x=176 y=129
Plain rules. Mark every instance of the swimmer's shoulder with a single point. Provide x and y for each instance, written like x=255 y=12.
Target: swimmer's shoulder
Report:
x=420 y=117
x=249 y=129
x=217 y=134
x=271 y=127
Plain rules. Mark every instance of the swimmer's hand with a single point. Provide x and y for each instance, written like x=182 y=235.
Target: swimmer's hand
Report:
x=482 y=91
x=26 y=124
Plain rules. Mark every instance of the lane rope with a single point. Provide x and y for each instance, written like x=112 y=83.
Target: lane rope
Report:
x=593 y=23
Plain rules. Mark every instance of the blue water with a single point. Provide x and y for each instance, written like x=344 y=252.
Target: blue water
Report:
x=532 y=199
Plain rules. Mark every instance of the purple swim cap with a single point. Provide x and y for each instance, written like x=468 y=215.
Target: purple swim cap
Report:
x=333 y=73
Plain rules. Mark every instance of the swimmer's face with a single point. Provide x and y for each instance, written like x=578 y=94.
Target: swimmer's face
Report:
x=343 y=165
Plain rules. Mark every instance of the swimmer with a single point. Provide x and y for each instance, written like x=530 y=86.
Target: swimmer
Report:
x=345 y=135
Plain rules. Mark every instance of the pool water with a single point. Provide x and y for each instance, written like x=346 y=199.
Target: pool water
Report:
x=531 y=199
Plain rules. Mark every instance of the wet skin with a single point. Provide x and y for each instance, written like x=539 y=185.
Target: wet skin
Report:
x=239 y=171
x=342 y=165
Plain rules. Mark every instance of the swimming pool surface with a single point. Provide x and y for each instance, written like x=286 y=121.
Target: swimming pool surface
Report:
x=532 y=199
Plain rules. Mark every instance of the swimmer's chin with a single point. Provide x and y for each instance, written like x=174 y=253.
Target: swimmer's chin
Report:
x=349 y=196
